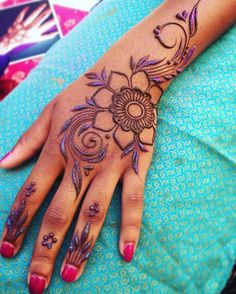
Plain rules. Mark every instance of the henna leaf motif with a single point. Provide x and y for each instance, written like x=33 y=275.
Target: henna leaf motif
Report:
x=90 y=102
x=66 y=125
x=103 y=74
x=193 y=20
x=63 y=147
x=79 y=249
x=128 y=149
x=85 y=233
x=182 y=16
x=76 y=177
x=189 y=55
x=135 y=161
x=91 y=76
x=79 y=107
x=142 y=61
x=153 y=62
x=142 y=147
x=84 y=128
x=132 y=64
x=95 y=84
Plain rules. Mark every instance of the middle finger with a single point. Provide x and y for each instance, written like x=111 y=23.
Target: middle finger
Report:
x=55 y=224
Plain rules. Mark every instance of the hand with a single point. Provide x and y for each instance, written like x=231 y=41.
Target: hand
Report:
x=99 y=131
x=97 y=141
x=28 y=30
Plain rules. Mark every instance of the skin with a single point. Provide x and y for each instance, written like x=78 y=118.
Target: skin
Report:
x=213 y=20
x=30 y=29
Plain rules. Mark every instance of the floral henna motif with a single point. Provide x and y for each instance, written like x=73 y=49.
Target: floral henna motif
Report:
x=80 y=247
x=93 y=209
x=122 y=106
x=49 y=240
x=30 y=189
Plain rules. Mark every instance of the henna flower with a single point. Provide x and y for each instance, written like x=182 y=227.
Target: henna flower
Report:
x=126 y=108
x=132 y=110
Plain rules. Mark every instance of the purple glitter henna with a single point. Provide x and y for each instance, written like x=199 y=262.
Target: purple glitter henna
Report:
x=128 y=115
x=80 y=247
x=18 y=216
x=49 y=240
x=30 y=189
x=172 y=66
x=93 y=209
x=15 y=222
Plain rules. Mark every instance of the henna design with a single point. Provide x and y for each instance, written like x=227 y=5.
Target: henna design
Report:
x=80 y=247
x=15 y=222
x=93 y=209
x=128 y=114
x=30 y=189
x=168 y=68
x=49 y=240
x=17 y=217
x=87 y=170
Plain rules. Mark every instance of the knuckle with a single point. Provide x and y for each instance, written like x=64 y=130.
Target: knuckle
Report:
x=134 y=200
x=56 y=217
x=135 y=226
x=24 y=139
x=94 y=213
x=28 y=139
x=50 y=153
x=41 y=259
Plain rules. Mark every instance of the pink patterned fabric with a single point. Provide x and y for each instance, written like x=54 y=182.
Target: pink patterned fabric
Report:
x=67 y=18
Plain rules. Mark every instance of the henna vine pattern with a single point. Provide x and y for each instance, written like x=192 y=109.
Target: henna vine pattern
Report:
x=80 y=247
x=18 y=216
x=128 y=114
x=15 y=222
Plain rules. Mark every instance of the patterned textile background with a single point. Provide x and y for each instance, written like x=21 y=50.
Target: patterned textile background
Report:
x=188 y=242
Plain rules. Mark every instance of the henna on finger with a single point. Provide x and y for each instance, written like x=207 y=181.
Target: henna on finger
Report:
x=93 y=214
x=15 y=224
x=79 y=251
x=80 y=248
x=49 y=240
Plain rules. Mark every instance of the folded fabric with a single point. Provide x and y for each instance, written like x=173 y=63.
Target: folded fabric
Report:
x=187 y=242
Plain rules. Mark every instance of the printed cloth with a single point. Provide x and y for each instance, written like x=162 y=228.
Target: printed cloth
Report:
x=187 y=242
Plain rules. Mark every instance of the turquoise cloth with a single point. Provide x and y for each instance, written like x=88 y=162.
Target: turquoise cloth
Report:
x=187 y=242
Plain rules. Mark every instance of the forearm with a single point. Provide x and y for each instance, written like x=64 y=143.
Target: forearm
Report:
x=187 y=34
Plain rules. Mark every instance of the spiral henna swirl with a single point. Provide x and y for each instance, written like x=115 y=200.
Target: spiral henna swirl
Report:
x=127 y=114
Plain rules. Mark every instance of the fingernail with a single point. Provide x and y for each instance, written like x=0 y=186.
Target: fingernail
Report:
x=36 y=284
x=7 y=250
x=69 y=273
x=128 y=252
x=5 y=156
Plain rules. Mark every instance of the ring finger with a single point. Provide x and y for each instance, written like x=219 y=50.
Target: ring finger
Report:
x=88 y=227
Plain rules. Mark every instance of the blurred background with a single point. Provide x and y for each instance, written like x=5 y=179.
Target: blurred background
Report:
x=28 y=28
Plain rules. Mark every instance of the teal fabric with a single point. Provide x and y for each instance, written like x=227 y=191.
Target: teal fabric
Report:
x=187 y=242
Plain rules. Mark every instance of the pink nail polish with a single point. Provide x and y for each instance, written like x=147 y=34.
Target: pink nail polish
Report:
x=128 y=252
x=36 y=284
x=69 y=273
x=5 y=156
x=7 y=250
